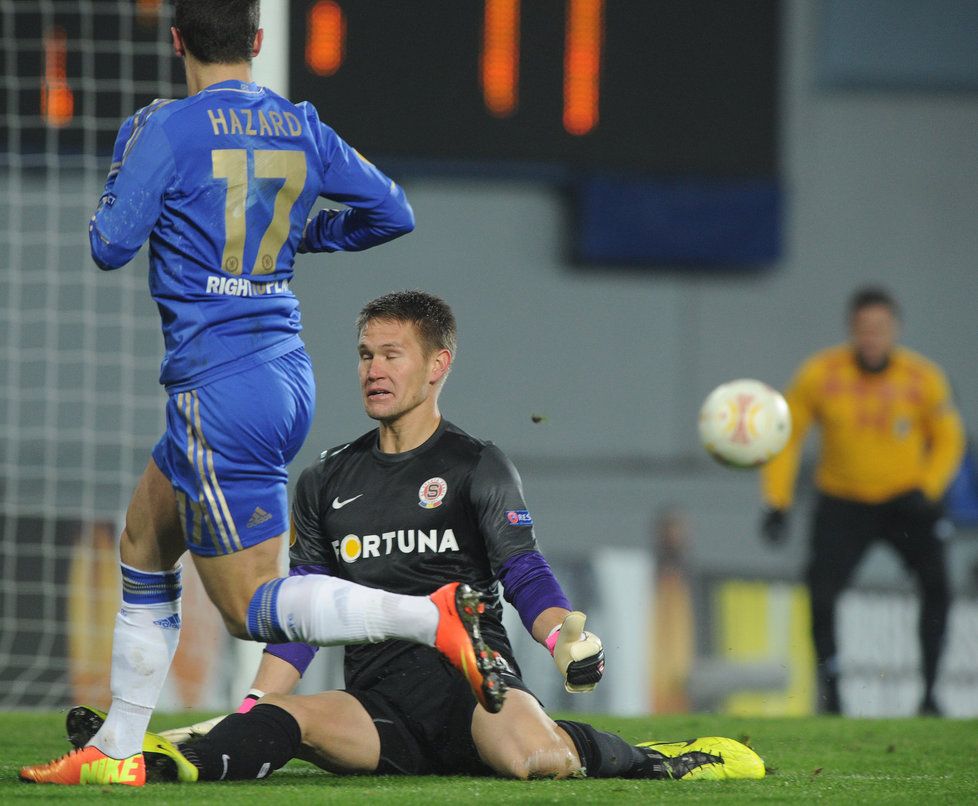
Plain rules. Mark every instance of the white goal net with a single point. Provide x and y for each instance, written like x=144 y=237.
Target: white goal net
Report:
x=80 y=404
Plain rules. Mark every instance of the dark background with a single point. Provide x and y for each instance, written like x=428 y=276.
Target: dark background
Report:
x=686 y=88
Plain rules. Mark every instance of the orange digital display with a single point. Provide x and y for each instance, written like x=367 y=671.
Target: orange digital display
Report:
x=325 y=37
x=674 y=89
x=582 y=65
x=148 y=12
x=500 y=59
x=57 y=99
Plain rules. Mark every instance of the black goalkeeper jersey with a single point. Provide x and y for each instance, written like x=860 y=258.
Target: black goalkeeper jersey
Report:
x=451 y=509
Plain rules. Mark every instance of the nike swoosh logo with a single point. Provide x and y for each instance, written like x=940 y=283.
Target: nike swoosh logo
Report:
x=337 y=504
x=325 y=454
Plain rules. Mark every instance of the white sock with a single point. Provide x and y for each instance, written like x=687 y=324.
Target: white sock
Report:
x=326 y=611
x=143 y=644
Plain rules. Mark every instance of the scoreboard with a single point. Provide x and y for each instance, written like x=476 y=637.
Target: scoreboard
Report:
x=660 y=115
x=646 y=86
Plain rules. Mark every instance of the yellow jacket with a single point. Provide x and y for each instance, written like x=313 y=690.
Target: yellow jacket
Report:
x=882 y=434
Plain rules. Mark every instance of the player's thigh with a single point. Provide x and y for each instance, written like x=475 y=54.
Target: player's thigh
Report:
x=842 y=531
x=521 y=741
x=422 y=708
x=153 y=538
x=337 y=732
x=226 y=448
x=232 y=579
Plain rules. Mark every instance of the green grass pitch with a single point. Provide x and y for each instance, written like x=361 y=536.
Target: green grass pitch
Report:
x=832 y=760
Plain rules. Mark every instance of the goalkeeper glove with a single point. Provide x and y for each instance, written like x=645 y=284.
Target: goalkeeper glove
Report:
x=578 y=654
x=183 y=735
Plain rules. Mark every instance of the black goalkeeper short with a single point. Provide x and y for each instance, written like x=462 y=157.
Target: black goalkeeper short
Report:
x=422 y=709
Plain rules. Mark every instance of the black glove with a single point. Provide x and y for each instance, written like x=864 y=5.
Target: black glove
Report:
x=774 y=526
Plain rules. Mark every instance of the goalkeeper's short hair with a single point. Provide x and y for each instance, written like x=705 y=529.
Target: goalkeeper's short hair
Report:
x=431 y=315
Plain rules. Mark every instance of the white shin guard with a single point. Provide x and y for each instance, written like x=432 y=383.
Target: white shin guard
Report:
x=143 y=644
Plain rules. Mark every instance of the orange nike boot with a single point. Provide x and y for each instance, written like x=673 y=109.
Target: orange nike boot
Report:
x=88 y=765
x=459 y=639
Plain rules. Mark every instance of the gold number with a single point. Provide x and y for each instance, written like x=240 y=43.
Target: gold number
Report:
x=291 y=166
x=231 y=164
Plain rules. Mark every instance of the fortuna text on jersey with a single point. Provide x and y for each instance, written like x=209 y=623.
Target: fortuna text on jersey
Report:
x=405 y=541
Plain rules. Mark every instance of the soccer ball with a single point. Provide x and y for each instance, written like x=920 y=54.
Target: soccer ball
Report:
x=744 y=423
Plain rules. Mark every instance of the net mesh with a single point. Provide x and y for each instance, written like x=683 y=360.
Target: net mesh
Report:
x=80 y=404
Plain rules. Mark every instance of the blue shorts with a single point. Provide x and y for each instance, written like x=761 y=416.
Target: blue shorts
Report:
x=226 y=448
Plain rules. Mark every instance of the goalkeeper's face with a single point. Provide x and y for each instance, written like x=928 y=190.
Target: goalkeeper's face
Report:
x=873 y=333
x=397 y=376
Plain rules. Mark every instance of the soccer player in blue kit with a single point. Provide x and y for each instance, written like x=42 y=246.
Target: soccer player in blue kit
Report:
x=221 y=183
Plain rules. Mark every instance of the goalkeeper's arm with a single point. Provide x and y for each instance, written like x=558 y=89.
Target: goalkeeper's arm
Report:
x=530 y=586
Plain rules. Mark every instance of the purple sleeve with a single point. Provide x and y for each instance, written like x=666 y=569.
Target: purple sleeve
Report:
x=531 y=587
x=299 y=655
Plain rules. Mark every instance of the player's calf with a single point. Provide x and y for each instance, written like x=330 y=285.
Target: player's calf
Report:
x=246 y=746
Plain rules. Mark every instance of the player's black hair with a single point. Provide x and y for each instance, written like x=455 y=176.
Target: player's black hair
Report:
x=217 y=31
x=871 y=295
x=431 y=315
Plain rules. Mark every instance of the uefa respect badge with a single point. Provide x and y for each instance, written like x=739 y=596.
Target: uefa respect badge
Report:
x=519 y=517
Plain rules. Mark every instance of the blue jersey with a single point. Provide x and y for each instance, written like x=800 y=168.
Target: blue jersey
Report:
x=221 y=183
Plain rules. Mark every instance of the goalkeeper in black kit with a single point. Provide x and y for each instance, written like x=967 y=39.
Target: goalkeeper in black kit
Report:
x=408 y=507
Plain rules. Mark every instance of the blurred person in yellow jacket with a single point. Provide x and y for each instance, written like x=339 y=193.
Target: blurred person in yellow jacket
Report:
x=890 y=443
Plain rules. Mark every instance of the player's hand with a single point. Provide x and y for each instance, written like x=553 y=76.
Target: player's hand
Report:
x=774 y=526
x=183 y=735
x=578 y=654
